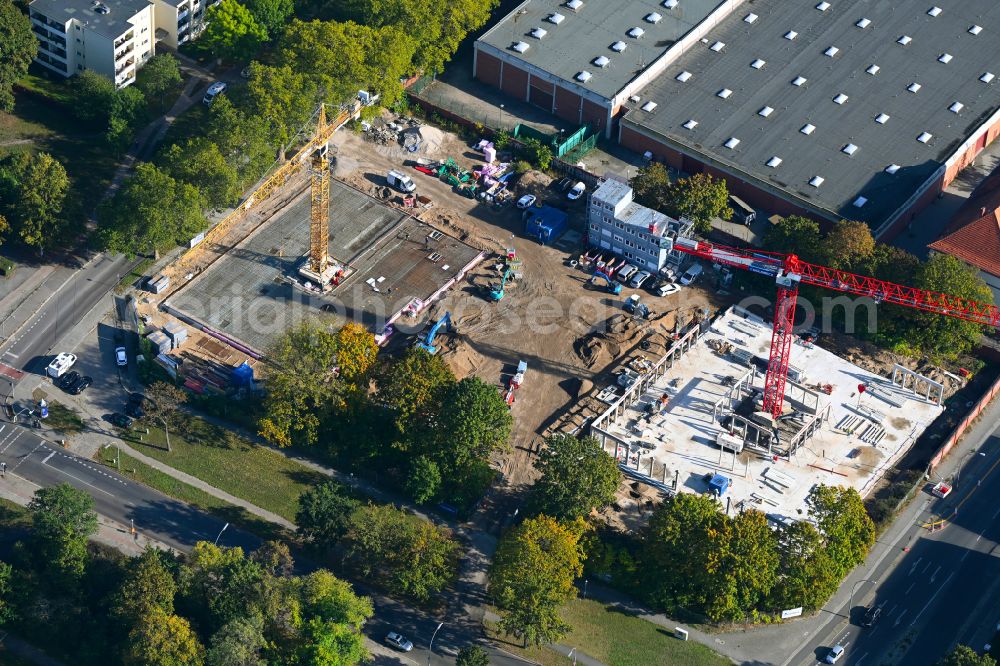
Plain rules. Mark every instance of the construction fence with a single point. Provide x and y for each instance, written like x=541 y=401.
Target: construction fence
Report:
x=960 y=429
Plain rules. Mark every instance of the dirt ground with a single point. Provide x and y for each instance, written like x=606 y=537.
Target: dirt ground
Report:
x=570 y=334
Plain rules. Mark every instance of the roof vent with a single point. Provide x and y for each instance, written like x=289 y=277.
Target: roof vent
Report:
x=683 y=76
x=732 y=142
x=975 y=29
x=765 y=112
x=882 y=118
x=808 y=129
x=816 y=181
x=934 y=11
x=690 y=124
x=944 y=58
x=583 y=76
x=618 y=47
x=751 y=17
x=101 y=8
x=574 y=4
x=724 y=93
x=555 y=17
x=924 y=137
x=873 y=69
x=904 y=40
x=987 y=77
x=956 y=107
x=849 y=149
x=634 y=98
x=799 y=80
x=520 y=47
x=649 y=106
x=602 y=61
x=669 y=4
x=774 y=162
x=653 y=17
x=913 y=87
x=538 y=33
x=758 y=64
x=892 y=168
x=841 y=98
x=718 y=46
x=790 y=35
x=859 y=202
x=636 y=32
x=823 y=6
x=832 y=51
x=863 y=23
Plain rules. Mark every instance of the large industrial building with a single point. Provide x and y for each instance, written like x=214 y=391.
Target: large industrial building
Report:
x=840 y=109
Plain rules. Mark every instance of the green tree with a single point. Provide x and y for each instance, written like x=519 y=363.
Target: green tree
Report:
x=700 y=198
x=146 y=587
x=408 y=555
x=577 y=477
x=848 y=246
x=962 y=655
x=414 y=386
x=219 y=584
x=749 y=569
x=330 y=598
x=242 y=138
x=937 y=334
x=160 y=76
x=532 y=576
x=93 y=96
x=474 y=423
x=324 y=514
x=356 y=354
x=272 y=15
x=200 y=163
x=650 y=186
x=150 y=211
x=163 y=403
x=795 y=235
x=472 y=655
x=232 y=32
x=848 y=531
x=806 y=576
x=18 y=47
x=283 y=97
x=275 y=558
x=62 y=520
x=35 y=186
x=538 y=154
x=304 y=388
x=163 y=639
x=329 y=643
x=240 y=642
x=7 y=609
x=423 y=481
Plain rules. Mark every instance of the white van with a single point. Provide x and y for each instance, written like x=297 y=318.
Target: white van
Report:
x=400 y=181
x=691 y=274
x=213 y=91
x=60 y=364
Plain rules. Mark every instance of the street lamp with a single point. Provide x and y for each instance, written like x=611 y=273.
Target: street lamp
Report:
x=501 y=116
x=431 y=647
x=572 y=653
x=854 y=587
x=224 y=527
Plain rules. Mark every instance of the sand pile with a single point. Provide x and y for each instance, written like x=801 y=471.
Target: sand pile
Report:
x=534 y=182
x=431 y=139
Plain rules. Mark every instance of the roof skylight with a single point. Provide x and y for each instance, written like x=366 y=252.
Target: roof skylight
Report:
x=944 y=58
x=653 y=17
x=934 y=11
x=832 y=51
x=863 y=23
x=750 y=18
x=718 y=46
x=913 y=87
x=732 y=142
x=956 y=107
x=790 y=35
x=758 y=64
x=925 y=137
x=649 y=106
x=904 y=40
x=669 y=4
x=584 y=76
x=840 y=99
x=636 y=32
x=555 y=17
x=987 y=77
x=892 y=168
x=683 y=76
x=823 y=6
x=799 y=80
x=774 y=162
x=882 y=118
x=602 y=61
x=618 y=47
x=808 y=129
x=520 y=47
x=724 y=93
x=765 y=112
x=975 y=29
x=538 y=33
x=873 y=69
x=816 y=181
x=859 y=202
x=574 y=4
x=690 y=124
x=849 y=149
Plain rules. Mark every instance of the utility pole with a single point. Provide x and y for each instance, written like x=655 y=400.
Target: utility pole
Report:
x=431 y=646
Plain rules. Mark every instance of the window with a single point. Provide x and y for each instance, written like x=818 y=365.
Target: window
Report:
x=975 y=30
x=816 y=181
x=944 y=58
x=934 y=11
x=832 y=51
x=904 y=40
x=619 y=239
x=808 y=128
x=774 y=162
x=956 y=107
x=913 y=87
x=790 y=35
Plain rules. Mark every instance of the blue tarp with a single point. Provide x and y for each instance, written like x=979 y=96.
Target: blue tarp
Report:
x=545 y=223
x=243 y=375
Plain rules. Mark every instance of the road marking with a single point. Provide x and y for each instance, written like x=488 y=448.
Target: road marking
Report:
x=891 y=610
x=980 y=535
x=47 y=458
x=995 y=515
x=914 y=567
x=929 y=601
x=86 y=483
x=908 y=589
x=861 y=657
x=11 y=354
x=900 y=618
x=967 y=551
x=929 y=563
x=934 y=575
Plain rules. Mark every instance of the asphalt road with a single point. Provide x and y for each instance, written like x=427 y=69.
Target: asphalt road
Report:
x=37 y=341
x=936 y=588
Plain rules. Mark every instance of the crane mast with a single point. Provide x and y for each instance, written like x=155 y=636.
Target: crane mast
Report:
x=319 y=214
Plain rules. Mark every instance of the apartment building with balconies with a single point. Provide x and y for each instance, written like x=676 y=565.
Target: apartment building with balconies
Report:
x=111 y=37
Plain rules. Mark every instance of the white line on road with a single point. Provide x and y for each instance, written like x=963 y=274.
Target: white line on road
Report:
x=914 y=567
x=995 y=515
x=929 y=563
x=900 y=618
x=967 y=551
x=892 y=610
x=86 y=483
x=858 y=662
x=929 y=601
x=934 y=575
x=47 y=458
x=909 y=588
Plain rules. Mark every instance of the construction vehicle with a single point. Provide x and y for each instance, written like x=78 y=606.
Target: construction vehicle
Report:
x=788 y=272
x=635 y=308
x=497 y=288
x=610 y=285
x=427 y=343
x=515 y=382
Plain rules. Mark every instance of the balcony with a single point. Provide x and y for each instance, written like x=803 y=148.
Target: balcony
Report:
x=123 y=39
x=48 y=48
x=183 y=15
x=124 y=52
x=124 y=67
x=125 y=79
x=52 y=63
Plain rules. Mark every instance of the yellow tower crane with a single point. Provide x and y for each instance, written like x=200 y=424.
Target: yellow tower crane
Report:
x=319 y=216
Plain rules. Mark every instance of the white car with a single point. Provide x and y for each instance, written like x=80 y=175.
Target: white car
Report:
x=398 y=641
x=527 y=201
x=667 y=288
x=214 y=91
x=576 y=191
x=121 y=357
x=834 y=655
x=60 y=364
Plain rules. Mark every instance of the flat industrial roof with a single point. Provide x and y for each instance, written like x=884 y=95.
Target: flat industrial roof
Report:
x=860 y=120
x=588 y=32
x=110 y=24
x=249 y=293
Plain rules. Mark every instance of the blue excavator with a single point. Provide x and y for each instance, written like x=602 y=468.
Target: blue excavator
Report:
x=610 y=285
x=497 y=288
x=427 y=342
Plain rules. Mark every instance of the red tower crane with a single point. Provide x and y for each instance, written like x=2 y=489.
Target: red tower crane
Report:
x=789 y=272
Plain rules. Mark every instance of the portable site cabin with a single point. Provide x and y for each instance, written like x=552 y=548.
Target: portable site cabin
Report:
x=545 y=223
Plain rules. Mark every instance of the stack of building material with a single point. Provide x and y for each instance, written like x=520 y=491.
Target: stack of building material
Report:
x=158 y=284
x=177 y=333
x=160 y=341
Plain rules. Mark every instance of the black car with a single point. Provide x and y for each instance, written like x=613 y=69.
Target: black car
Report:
x=134 y=406
x=122 y=421
x=67 y=380
x=871 y=616
x=80 y=385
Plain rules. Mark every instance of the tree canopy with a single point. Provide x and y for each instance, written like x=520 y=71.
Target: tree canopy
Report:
x=32 y=191
x=963 y=655
x=18 y=47
x=272 y=15
x=324 y=514
x=159 y=76
x=63 y=519
x=200 y=163
x=232 y=32
x=577 y=477
x=700 y=197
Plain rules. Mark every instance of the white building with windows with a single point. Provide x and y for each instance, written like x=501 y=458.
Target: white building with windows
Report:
x=111 y=37
x=180 y=21
x=616 y=223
